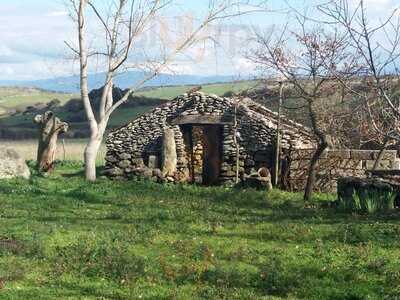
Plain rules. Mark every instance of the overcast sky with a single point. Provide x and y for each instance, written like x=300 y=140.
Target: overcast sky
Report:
x=33 y=34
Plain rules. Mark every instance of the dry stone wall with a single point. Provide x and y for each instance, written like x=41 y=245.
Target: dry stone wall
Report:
x=335 y=164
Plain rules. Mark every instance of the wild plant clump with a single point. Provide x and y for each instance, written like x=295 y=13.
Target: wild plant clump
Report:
x=366 y=196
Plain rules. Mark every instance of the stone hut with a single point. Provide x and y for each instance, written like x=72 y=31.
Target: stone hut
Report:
x=203 y=139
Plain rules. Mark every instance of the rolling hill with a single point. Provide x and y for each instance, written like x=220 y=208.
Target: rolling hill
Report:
x=16 y=119
x=18 y=98
x=70 y=84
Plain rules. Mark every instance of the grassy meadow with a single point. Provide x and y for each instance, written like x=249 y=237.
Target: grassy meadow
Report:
x=63 y=238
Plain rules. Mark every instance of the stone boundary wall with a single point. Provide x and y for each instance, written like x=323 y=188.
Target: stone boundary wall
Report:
x=335 y=164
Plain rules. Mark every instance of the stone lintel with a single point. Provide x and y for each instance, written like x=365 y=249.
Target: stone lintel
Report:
x=202 y=119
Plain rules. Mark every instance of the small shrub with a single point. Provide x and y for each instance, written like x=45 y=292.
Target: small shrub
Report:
x=365 y=195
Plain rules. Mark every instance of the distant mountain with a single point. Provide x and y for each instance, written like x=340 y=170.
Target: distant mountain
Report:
x=70 y=84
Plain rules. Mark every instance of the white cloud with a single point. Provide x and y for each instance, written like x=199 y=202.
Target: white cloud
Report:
x=374 y=6
x=5 y=51
x=9 y=71
x=57 y=13
x=33 y=35
x=244 y=66
x=37 y=69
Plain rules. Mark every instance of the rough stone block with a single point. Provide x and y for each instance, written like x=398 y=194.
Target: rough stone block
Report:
x=147 y=173
x=357 y=164
x=157 y=173
x=305 y=154
x=124 y=164
x=395 y=164
x=387 y=155
x=347 y=164
x=153 y=162
x=229 y=173
x=115 y=172
x=383 y=165
x=299 y=164
x=124 y=156
x=182 y=161
x=111 y=159
x=298 y=174
x=362 y=154
x=138 y=162
x=341 y=154
x=169 y=155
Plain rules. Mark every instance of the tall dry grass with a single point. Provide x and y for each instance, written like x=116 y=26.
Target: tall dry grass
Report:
x=72 y=149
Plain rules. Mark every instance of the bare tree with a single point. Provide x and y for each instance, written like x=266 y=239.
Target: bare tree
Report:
x=378 y=47
x=124 y=22
x=309 y=61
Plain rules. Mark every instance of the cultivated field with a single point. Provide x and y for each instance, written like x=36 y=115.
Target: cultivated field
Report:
x=67 y=150
x=62 y=238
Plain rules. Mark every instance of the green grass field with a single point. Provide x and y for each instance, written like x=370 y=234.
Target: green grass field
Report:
x=218 y=89
x=15 y=97
x=62 y=238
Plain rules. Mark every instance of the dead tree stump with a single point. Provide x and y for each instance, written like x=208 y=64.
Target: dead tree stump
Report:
x=49 y=128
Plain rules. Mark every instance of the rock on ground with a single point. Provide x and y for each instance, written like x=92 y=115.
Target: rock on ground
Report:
x=12 y=165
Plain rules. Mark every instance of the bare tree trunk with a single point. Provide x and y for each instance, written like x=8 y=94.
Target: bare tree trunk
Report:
x=380 y=155
x=323 y=144
x=235 y=140
x=312 y=171
x=91 y=151
x=96 y=133
x=49 y=128
x=278 y=137
x=90 y=156
x=64 y=151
